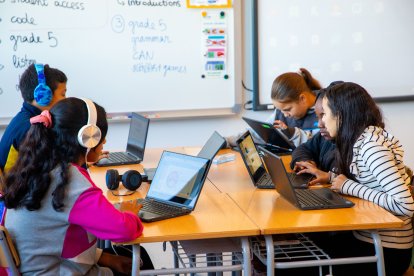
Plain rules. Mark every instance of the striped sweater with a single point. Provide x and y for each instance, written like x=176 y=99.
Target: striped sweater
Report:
x=379 y=169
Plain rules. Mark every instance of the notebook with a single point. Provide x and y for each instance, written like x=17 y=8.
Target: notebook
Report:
x=305 y=199
x=176 y=187
x=209 y=150
x=137 y=138
x=275 y=140
x=257 y=169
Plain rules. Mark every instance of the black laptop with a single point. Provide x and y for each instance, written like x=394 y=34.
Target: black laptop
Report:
x=274 y=139
x=257 y=169
x=305 y=199
x=176 y=186
x=137 y=138
x=209 y=150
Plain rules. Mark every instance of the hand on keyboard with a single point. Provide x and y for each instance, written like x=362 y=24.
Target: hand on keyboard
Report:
x=321 y=177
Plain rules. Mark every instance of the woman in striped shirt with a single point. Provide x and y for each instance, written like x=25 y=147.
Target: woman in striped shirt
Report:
x=371 y=167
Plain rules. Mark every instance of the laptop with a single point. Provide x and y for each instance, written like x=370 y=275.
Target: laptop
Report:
x=257 y=169
x=209 y=150
x=305 y=199
x=275 y=140
x=137 y=138
x=176 y=186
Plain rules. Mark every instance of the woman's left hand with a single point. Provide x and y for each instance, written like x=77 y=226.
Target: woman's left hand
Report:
x=338 y=182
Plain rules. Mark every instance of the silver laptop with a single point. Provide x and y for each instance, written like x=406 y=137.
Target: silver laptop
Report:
x=209 y=150
x=305 y=199
x=137 y=138
x=257 y=169
x=176 y=186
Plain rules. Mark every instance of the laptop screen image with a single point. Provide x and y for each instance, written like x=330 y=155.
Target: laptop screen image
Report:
x=137 y=136
x=251 y=157
x=178 y=179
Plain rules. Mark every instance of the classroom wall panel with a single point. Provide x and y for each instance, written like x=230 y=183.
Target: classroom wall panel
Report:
x=369 y=42
x=149 y=56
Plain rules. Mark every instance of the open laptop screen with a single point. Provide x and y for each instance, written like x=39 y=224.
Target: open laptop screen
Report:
x=251 y=156
x=178 y=179
x=212 y=146
x=137 y=136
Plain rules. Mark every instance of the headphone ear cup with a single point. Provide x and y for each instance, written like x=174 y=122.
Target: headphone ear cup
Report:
x=89 y=136
x=43 y=94
x=112 y=179
x=132 y=180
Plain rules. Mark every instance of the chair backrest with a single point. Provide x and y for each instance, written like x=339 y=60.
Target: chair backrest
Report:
x=8 y=255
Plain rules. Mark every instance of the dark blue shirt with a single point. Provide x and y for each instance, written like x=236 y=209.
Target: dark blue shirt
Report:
x=16 y=131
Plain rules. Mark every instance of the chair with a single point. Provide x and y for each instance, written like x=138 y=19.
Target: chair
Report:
x=9 y=259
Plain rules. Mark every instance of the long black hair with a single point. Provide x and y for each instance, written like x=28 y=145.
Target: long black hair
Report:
x=45 y=149
x=355 y=110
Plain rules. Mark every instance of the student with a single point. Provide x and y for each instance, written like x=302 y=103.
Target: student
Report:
x=371 y=167
x=41 y=87
x=55 y=212
x=317 y=154
x=294 y=95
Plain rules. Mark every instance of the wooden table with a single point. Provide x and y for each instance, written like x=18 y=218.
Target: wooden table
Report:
x=230 y=206
x=275 y=215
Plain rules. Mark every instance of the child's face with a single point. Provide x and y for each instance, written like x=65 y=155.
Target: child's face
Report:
x=95 y=153
x=59 y=94
x=329 y=119
x=294 y=109
x=319 y=114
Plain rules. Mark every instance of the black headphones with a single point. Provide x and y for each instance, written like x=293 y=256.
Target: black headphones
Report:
x=130 y=179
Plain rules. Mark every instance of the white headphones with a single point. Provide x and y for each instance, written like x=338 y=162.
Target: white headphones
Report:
x=89 y=135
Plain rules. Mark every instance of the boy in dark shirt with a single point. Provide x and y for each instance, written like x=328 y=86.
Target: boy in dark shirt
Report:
x=41 y=87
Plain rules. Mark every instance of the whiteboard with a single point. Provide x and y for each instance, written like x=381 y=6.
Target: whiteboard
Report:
x=127 y=55
x=369 y=42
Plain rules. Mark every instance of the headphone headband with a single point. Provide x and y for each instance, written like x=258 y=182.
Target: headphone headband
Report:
x=42 y=92
x=40 y=70
x=92 y=113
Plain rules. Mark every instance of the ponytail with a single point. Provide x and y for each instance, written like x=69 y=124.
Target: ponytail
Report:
x=288 y=86
x=312 y=83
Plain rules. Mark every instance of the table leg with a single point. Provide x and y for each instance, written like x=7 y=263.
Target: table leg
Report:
x=270 y=250
x=378 y=253
x=247 y=265
x=136 y=259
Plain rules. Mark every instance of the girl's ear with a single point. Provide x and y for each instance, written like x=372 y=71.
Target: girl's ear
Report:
x=302 y=98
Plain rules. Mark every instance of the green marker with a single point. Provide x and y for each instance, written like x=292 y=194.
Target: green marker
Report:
x=265 y=126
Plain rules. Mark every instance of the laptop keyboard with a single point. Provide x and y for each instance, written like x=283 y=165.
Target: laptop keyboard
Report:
x=309 y=198
x=265 y=182
x=160 y=208
x=119 y=157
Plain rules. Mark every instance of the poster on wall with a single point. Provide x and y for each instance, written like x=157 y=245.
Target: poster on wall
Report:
x=214 y=44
